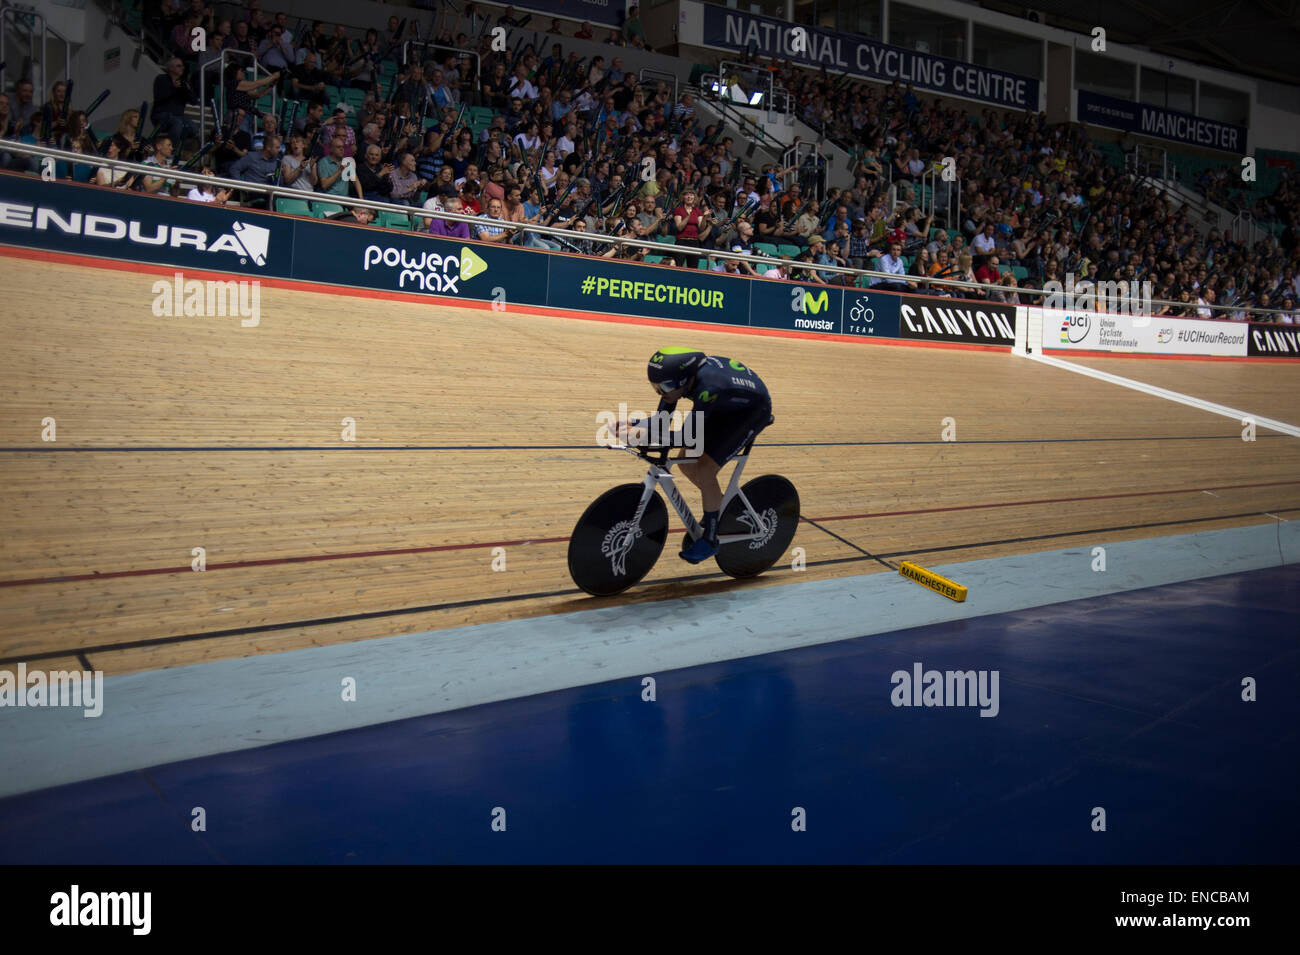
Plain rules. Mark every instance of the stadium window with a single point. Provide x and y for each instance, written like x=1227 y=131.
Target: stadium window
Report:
x=1107 y=75
x=1010 y=52
x=1224 y=105
x=1167 y=90
x=926 y=31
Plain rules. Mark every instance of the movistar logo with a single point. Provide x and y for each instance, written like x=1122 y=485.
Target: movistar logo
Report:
x=815 y=305
x=705 y=397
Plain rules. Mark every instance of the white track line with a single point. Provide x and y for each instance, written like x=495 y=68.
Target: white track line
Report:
x=1178 y=396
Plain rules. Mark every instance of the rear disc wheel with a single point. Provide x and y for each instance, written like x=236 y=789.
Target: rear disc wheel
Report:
x=777 y=502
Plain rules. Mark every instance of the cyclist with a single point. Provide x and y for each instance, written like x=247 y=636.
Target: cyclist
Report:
x=735 y=405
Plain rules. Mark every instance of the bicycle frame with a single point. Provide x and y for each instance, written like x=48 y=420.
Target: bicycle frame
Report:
x=660 y=474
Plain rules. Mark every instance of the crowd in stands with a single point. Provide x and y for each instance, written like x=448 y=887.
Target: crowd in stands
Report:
x=583 y=146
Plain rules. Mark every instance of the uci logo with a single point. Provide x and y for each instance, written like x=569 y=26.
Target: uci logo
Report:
x=1075 y=328
x=801 y=300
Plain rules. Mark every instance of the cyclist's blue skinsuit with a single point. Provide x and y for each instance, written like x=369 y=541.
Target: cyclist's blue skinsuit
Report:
x=735 y=404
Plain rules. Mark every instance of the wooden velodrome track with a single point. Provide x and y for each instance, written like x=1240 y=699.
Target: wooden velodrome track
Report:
x=476 y=429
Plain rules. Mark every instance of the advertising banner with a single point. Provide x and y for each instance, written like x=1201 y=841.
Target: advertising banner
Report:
x=1154 y=335
x=856 y=55
x=1273 y=341
x=870 y=314
x=688 y=295
x=1160 y=123
x=795 y=307
x=86 y=221
x=957 y=320
x=417 y=263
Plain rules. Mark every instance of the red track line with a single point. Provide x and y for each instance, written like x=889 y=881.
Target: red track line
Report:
x=354 y=555
x=236 y=564
x=1051 y=500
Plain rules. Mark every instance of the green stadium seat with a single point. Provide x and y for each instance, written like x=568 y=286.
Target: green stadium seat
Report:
x=788 y=251
x=654 y=259
x=666 y=239
x=768 y=249
x=322 y=210
x=297 y=207
x=1020 y=272
x=395 y=220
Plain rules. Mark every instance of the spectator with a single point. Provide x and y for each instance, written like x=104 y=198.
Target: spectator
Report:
x=23 y=107
x=205 y=192
x=296 y=170
x=163 y=158
x=357 y=215
x=259 y=165
x=276 y=52
x=893 y=264
x=171 y=94
x=449 y=228
x=118 y=178
x=490 y=231
x=329 y=169
x=988 y=273
x=691 y=224
x=406 y=181
x=984 y=243
x=373 y=182
x=307 y=81
x=338 y=126
x=633 y=32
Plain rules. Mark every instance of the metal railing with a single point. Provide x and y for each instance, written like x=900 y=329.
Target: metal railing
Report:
x=772 y=96
x=27 y=21
x=647 y=75
x=922 y=285
x=258 y=71
x=746 y=124
x=424 y=46
x=930 y=180
x=804 y=157
x=1242 y=223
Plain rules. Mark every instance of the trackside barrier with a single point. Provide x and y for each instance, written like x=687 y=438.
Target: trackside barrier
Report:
x=106 y=223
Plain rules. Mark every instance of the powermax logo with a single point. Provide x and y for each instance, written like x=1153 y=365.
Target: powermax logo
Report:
x=426 y=271
x=249 y=242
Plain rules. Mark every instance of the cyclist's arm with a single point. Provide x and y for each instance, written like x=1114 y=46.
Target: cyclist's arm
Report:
x=666 y=407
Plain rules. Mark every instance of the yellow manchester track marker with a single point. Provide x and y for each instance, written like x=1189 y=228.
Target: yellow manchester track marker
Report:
x=928 y=578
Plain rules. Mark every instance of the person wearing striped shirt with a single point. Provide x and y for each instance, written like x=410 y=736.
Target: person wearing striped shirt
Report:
x=490 y=231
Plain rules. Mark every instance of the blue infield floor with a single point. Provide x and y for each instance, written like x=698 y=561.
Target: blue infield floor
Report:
x=1129 y=702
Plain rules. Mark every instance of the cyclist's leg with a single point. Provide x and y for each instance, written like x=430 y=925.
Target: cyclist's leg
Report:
x=724 y=438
